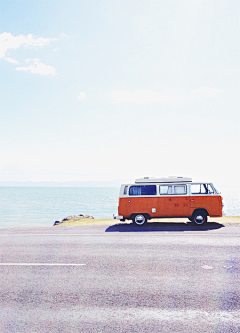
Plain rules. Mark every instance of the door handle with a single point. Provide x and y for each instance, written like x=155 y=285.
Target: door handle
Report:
x=192 y=200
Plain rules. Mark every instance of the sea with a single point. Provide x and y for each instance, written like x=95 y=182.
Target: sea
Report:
x=42 y=206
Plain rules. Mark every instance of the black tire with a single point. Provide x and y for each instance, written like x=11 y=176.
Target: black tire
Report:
x=139 y=219
x=190 y=218
x=199 y=217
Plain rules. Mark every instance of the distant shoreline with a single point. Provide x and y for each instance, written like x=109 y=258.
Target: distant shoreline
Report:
x=111 y=183
x=87 y=183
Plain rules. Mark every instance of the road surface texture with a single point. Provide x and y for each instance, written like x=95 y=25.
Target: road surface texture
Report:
x=163 y=277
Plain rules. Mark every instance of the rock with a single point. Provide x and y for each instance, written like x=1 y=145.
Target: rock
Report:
x=86 y=216
x=56 y=222
x=74 y=217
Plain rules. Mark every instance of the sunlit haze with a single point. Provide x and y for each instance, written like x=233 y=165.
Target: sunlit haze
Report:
x=107 y=90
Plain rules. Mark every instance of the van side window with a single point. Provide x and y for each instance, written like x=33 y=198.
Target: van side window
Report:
x=180 y=189
x=143 y=190
x=199 y=189
x=176 y=189
x=125 y=190
x=164 y=190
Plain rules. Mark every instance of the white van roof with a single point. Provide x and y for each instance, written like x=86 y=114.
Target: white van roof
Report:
x=163 y=180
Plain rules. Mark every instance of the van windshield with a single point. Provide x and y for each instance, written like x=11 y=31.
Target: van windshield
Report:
x=216 y=191
x=202 y=189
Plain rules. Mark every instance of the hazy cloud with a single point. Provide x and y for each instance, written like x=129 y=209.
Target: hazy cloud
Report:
x=11 y=60
x=9 y=42
x=63 y=34
x=82 y=96
x=142 y=97
x=206 y=91
x=38 y=68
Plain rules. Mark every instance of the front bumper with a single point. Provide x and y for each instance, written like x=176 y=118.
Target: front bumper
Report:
x=117 y=217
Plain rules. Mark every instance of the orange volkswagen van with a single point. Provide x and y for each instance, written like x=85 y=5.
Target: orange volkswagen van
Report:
x=168 y=197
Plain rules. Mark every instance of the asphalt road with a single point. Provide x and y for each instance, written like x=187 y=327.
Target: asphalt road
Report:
x=159 y=278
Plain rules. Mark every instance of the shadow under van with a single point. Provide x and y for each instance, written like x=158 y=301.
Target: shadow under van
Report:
x=163 y=226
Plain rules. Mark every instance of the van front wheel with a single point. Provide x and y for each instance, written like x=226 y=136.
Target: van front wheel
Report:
x=199 y=217
x=139 y=219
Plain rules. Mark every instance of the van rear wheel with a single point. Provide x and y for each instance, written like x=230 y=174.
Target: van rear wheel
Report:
x=139 y=219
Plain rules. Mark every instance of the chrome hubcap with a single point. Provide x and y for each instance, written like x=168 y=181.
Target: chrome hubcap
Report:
x=199 y=219
x=139 y=219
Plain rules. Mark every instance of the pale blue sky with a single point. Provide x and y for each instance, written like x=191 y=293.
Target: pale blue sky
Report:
x=102 y=90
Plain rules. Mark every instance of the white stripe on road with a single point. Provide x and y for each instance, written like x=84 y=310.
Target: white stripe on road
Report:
x=207 y=267
x=36 y=264
x=53 y=234
x=130 y=233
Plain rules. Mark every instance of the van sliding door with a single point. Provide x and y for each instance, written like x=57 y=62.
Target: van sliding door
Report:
x=174 y=201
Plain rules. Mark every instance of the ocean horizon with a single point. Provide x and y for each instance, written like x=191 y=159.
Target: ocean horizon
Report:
x=42 y=206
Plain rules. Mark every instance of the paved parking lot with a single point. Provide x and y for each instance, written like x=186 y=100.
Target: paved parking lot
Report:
x=159 y=278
